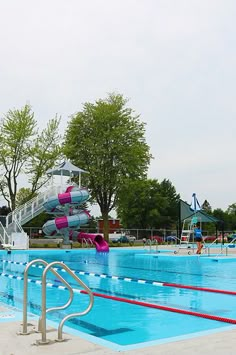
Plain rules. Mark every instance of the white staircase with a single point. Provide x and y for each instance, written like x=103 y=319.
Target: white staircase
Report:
x=4 y=237
x=32 y=208
x=13 y=233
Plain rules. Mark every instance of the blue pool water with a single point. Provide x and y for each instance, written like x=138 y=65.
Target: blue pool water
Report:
x=118 y=273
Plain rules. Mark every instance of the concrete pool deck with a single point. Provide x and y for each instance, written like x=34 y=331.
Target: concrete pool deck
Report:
x=218 y=343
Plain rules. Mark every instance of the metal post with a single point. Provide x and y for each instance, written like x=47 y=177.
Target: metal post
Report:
x=25 y=296
x=43 y=309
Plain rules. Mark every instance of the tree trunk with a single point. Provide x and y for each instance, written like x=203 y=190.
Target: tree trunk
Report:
x=105 y=226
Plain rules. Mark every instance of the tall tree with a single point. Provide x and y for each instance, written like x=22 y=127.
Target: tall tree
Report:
x=107 y=139
x=231 y=210
x=24 y=150
x=16 y=131
x=45 y=153
x=206 y=207
x=148 y=204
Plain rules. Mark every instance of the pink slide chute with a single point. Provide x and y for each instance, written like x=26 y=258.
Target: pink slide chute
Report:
x=97 y=239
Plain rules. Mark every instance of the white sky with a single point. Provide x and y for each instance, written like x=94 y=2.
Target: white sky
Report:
x=174 y=59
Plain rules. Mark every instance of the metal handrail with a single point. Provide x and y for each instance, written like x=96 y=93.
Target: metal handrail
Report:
x=90 y=242
x=77 y=314
x=150 y=243
x=25 y=297
x=42 y=319
x=209 y=246
x=154 y=242
x=226 y=248
x=4 y=237
x=34 y=202
x=84 y=241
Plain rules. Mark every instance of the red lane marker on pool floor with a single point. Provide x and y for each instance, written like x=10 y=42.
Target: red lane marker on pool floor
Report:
x=163 y=308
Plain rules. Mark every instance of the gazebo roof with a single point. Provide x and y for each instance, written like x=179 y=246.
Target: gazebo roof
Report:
x=66 y=169
x=187 y=213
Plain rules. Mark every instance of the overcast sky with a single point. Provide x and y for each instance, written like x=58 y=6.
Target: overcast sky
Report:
x=174 y=59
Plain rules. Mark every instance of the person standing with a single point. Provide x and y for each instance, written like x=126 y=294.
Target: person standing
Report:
x=198 y=239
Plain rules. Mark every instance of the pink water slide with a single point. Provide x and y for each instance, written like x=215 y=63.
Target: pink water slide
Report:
x=97 y=239
x=72 y=218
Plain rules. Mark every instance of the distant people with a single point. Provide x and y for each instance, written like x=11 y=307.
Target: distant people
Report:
x=198 y=239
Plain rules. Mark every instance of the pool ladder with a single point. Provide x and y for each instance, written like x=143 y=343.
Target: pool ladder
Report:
x=44 y=311
x=227 y=246
x=87 y=242
x=151 y=243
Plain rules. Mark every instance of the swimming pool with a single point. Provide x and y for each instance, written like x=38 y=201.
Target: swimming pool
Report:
x=151 y=282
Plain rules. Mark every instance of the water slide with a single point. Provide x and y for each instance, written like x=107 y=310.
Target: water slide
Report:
x=69 y=218
x=97 y=239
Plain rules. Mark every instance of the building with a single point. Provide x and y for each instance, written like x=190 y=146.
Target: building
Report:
x=114 y=225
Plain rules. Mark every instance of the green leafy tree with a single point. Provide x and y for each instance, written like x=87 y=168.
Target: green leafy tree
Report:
x=230 y=217
x=206 y=207
x=16 y=131
x=23 y=195
x=38 y=221
x=148 y=204
x=107 y=139
x=23 y=149
x=231 y=210
x=45 y=153
x=169 y=210
x=219 y=213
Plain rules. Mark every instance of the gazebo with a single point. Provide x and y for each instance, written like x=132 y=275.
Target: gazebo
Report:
x=66 y=169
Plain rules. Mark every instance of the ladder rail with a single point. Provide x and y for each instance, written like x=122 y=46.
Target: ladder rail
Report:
x=84 y=241
x=44 y=310
x=69 y=316
x=208 y=247
x=226 y=248
x=25 y=294
x=150 y=243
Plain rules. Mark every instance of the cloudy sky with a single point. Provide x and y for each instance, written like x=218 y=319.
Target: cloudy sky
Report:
x=174 y=59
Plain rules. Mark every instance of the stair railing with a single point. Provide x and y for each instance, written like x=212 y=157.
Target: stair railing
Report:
x=4 y=237
x=32 y=207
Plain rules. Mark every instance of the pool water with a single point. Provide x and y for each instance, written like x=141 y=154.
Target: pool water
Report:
x=135 y=275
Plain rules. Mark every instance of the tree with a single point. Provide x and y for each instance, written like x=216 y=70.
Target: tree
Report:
x=4 y=210
x=23 y=195
x=206 y=207
x=148 y=204
x=231 y=210
x=45 y=153
x=16 y=130
x=24 y=150
x=107 y=139
x=230 y=217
